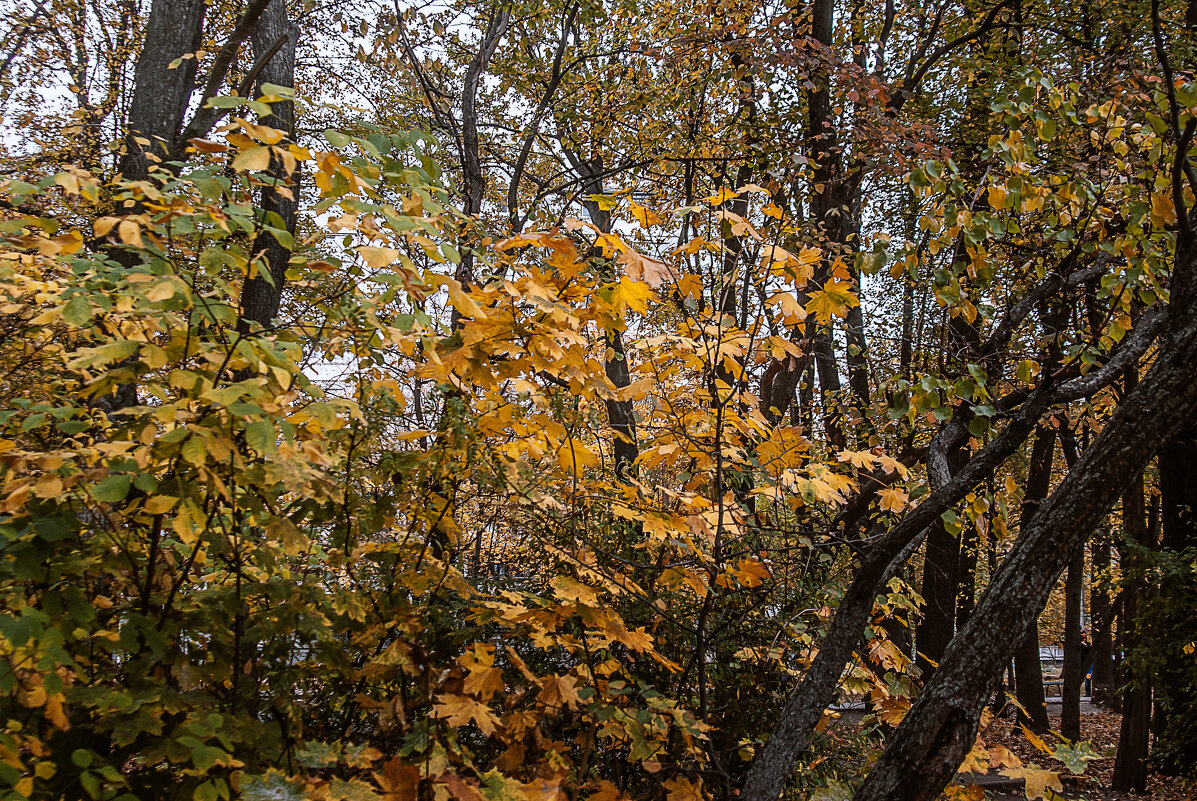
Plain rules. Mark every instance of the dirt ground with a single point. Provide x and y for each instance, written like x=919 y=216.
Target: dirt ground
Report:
x=1100 y=729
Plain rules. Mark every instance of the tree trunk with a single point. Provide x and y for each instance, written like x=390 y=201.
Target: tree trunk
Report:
x=1074 y=587
x=1070 y=709
x=1028 y=672
x=1130 y=766
x=1102 y=641
x=940 y=729
x=1175 y=676
x=937 y=627
x=261 y=297
x=161 y=94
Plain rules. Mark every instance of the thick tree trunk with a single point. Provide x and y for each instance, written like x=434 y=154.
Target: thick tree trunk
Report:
x=1172 y=619
x=938 y=732
x=161 y=94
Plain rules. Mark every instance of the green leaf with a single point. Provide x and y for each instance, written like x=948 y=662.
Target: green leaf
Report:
x=260 y=436
x=336 y=138
x=77 y=311
x=111 y=489
x=1076 y=757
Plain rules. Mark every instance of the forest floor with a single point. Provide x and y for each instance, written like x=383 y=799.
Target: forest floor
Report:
x=1100 y=729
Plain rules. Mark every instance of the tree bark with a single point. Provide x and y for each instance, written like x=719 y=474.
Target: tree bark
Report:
x=1073 y=669
x=161 y=94
x=1130 y=765
x=1028 y=671
x=940 y=729
x=1102 y=641
x=261 y=297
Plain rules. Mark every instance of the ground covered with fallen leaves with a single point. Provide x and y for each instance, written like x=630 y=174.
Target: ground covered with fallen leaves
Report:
x=1100 y=729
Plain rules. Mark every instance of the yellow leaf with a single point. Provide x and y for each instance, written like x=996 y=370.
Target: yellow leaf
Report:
x=130 y=233
x=378 y=258
x=252 y=159
x=791 y=309
x=644 y=215
x=458 y=710
x=160 y=504
x=893 y=500
x=997 y=197
x=632 y=295
x=1163 y=211
x=833 y=300
x=1038 y=780
x=567 y=589
x=463 y=302
x=722 y=197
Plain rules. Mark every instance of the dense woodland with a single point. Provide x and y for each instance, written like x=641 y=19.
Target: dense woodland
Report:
x=586 y=400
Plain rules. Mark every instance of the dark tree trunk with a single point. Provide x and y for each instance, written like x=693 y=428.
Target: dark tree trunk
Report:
x=937 y=627
x=966 y=584
x=937 y=733
x=1175 y=681
x=1074 y=587
x=1070 y=710
x=1028 y=672
x=161 y=94
x=1130 y=766
x=260 y=298
x=1102 y=641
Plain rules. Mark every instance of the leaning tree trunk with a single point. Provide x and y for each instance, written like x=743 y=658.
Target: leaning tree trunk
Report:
x=940 y=729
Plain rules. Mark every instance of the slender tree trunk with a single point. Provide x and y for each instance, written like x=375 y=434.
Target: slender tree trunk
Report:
x=1130 y=765
x=262 y=295
x=1070 y=710
x=1102 y=641
x=937 y=627
x=1074 y=587
x=1028 y=671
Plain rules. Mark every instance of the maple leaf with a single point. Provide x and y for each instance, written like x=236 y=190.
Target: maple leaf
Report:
x=641 y=268
x=567 y=589
x=893 y=500
x=629 y=294
x=459 y=789
x=977 y=760
x=399 y=781
x=684 y=790
x=833 y=300
x=458 y=710
x=1039 y=780
x=792 y=311
x=483 y=679
x=558 y=691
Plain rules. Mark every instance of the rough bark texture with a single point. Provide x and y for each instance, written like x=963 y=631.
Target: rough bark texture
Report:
x=161 y=94
x=260 y=298
x=938 y=732
x=770 y=769
x=1070 y=701
x=939 y=590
